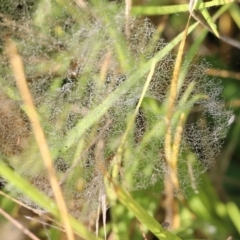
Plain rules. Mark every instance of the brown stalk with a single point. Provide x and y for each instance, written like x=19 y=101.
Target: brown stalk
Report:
x=18 y=71
x=223 y=73
x=171 y=148
x=18 y=225
x=175 y=149
x=128 y=7
x=36 y=211
x=20 y=203
x=173 y=95
x=81 y=3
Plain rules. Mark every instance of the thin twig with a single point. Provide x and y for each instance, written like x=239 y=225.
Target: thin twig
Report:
x=18 y=225
x=36 y=211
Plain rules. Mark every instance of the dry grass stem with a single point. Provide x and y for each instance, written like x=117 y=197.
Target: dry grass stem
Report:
x=223 y=73
x=81 y=3
x=171 y=149
x=18 y=225
x=118 y=156
x=175 y=150
x=37 y=212
x=18 y=71
x=128 y=7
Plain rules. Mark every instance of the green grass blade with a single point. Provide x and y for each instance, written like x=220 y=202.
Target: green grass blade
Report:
x=234 y=214
x=163 y=10
x=142 y=215
x=196 y=45
x=208 y=19
x=235 y=13
x=102 y=108
x=35 y=195
x=117 y=36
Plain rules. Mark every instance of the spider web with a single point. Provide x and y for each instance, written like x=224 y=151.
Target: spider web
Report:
x=71 y=67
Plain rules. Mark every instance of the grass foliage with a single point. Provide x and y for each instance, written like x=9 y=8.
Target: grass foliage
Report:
x=108 y=129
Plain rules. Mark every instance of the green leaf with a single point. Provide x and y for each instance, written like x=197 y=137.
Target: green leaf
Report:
x=208 y=18
x=234 y=214
x=235 y=13
x=163 y=10
x=102 y=108
x=142 y=215
x=43 y=201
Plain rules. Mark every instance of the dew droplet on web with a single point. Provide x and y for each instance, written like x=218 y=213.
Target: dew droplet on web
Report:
x=63 y=74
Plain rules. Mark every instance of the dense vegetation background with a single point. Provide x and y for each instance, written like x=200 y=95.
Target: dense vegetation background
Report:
x=86 y=65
